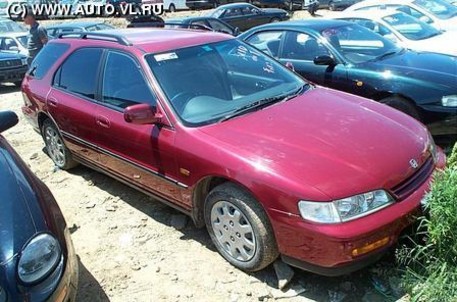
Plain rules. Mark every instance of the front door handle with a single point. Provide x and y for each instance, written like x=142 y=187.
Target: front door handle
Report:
x=52 y=102
x=102 y=121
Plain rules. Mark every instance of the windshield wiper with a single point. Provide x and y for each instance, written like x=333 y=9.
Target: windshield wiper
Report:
x=389 y=53
x=262 y=103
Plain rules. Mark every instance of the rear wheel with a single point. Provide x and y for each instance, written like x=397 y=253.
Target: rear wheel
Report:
x=403 y=105
x=55 y=146
x=239 y=228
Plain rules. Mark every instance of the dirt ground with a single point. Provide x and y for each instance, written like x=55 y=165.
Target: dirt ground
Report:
x=131 y=247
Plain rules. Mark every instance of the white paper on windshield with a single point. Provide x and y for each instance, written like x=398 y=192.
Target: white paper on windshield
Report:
x=165 y=56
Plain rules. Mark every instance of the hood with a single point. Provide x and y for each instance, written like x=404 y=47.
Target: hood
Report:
x=439 y=44
x=10 y=56
x=274 y=11
x=425 y=66
x=16 y=222
x=335 y=142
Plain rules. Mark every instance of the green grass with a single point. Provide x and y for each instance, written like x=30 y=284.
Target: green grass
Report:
x=431 y=261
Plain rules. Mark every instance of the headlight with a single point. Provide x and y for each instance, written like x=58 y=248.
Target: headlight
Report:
x=24 y=61
x=39 y=258
x=344 y=209
x=432 y=147
x=449 y=101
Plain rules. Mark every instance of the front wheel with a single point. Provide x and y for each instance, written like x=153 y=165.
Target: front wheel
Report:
x=403 y=105
x=55 y=146
x=239 y=228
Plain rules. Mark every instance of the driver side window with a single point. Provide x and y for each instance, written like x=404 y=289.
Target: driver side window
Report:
x=267 y=41
x=300 y=46
x=123 y=82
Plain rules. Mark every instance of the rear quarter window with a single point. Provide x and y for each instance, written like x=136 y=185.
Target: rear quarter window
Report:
x=46 y=58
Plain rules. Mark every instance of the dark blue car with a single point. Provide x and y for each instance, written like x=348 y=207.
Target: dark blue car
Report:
x=37 y=260
x=13 y=67
x=351 y=58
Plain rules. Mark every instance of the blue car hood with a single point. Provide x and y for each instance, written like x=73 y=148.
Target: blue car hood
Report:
x=16 y=222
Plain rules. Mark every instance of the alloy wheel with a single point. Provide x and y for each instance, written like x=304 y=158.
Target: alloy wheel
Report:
x=55 y=146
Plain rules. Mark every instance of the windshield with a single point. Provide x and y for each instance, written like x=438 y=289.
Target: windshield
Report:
x=358 y=44
x=439 y=8
x=22 y=40
x=10 y=26
x=207 y=83
x=410 y=27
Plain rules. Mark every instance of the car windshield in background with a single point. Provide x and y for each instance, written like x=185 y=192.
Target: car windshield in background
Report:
x=411 y=27
x=358 y=44
x=209 y=83
x=439 y=8
x=11 y=26
x=23 y=40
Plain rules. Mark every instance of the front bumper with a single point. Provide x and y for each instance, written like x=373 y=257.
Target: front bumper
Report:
x=68 y=286
x=329 y=249
x=13 y=74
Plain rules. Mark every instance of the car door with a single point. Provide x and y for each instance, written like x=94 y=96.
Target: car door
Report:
x=234 y=17
x=70 y=102
x=142 y=155
x=301 y=49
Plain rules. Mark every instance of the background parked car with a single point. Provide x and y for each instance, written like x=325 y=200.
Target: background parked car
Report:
x=207 y=22
x=174 y=5
x=289 y=5
x=145 y=21
x=348 y=57
x=404 y=30
x=13 y=67
x=82 y=26
x=36 y=253
x=341 y=4
x=14 y=42
x=438 y=13
x=245 y=16
x=7 y=26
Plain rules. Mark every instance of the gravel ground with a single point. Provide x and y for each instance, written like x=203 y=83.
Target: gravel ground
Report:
x=133 y=248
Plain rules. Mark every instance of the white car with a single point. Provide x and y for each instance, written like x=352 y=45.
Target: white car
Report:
x=174 y=5
x=438 y=13
x=14 y=42
x=404 y=30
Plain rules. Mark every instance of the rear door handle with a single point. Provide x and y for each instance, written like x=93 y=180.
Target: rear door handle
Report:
x=102 y=121
x=52 y=102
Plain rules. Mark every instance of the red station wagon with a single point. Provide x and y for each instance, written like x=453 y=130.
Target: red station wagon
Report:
x=272 y=165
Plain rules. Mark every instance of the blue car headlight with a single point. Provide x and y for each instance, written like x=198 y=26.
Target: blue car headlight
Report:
x=38 y=258
x=449 y=101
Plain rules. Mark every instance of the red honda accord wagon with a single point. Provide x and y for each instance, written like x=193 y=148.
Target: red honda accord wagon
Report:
x=272 y=165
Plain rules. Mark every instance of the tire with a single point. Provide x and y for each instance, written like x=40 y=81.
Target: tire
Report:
x=239 y=228
x=55 y=146
x=274 y=20
x=172 y=8
x=402 y=105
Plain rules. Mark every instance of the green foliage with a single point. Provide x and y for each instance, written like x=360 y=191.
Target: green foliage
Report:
x=452 y=160
x=431 y=262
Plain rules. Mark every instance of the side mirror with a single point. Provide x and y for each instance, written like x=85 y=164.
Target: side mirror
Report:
x=142 y=114
x=324 y=60
x=8 y=119
x=236 y=31
x=290 y=66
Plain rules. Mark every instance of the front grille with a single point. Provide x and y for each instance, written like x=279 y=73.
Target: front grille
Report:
x=408 y=186
x=10 y=63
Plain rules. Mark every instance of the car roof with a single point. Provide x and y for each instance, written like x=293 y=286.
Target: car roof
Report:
x=234 y=5
x=377 y=2
x=373 y=15
x=313 y=24
x=79 y=24
x=153 y=40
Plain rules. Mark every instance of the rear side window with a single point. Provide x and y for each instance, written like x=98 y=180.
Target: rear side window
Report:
x=46 y=58
x=78 y=74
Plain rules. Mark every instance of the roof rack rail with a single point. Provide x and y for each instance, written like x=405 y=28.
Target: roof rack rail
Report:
x=97 y=36
x=181 y=25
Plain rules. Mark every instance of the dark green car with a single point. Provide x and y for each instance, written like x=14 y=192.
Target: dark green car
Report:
x=351 y=58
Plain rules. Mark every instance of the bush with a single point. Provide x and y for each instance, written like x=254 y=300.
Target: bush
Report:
x=431 y=263
x=452 y=160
